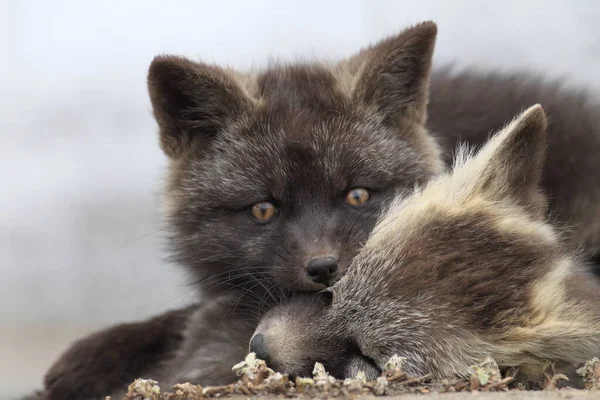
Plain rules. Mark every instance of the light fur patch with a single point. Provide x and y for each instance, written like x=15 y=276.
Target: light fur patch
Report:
x=514 y=220
x=346 y=76
x=169 y=204
x=281 y=342
x=548 y=295
x=248 y=80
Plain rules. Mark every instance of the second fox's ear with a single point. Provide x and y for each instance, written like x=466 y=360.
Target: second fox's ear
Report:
x=510 y=165
x=192 y=101
x=393 y=75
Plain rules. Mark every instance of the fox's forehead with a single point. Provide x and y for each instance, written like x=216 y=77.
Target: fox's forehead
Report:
x=441 y=249
x=335 y=152
x=307 y=86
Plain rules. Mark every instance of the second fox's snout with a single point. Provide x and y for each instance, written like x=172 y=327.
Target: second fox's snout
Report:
x=257 y=346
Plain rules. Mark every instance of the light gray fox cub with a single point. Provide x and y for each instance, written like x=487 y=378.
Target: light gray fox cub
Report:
x=465 y=267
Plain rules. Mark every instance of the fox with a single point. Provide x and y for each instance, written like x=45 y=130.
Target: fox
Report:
x=276 y=178
x=467 y=266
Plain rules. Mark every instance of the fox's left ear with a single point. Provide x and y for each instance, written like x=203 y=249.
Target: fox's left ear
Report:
x=510 y=165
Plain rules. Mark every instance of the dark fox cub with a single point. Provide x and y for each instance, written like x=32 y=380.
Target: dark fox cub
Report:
x=277 y=177
x=466 y=267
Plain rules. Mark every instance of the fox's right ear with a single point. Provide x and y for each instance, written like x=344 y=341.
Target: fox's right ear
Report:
x=510 y=164
x=192 y=101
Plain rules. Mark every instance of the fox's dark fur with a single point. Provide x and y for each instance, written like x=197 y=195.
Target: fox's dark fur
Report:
x=301 y=136
x=465 y=268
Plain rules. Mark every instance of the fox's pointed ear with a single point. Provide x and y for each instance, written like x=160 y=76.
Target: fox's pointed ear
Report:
x=393 y=75
x=192 y=101
x=510 y=165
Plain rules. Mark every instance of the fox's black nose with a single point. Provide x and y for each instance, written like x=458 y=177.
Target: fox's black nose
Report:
x=322 y=269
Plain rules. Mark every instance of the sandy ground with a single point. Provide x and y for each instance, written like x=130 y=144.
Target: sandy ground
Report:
x=558 y=395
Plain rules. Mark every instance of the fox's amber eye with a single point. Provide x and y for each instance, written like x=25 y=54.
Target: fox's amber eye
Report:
x=357 y=196
x=263 y=211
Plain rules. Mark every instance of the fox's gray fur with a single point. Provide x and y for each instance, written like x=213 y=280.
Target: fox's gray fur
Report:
x=466 y=267
x=301 y=136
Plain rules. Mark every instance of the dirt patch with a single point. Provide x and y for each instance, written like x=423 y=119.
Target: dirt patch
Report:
x=258 y=380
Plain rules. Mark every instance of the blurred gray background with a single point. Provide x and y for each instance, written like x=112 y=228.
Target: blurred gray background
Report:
x=80 y=239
